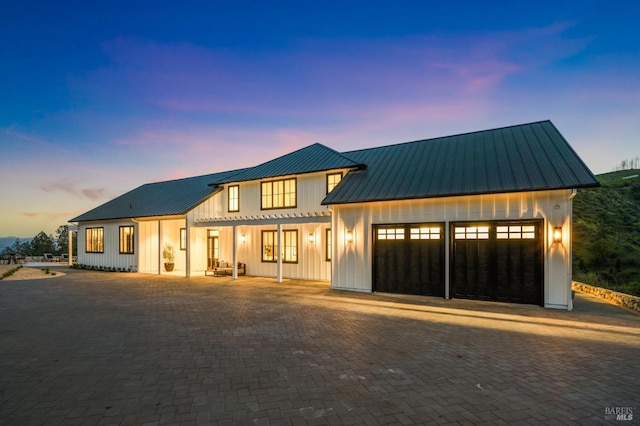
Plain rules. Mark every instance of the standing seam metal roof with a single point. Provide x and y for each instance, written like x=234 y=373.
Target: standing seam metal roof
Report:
x=313 y=158
x=174 y=197
x=526 y=157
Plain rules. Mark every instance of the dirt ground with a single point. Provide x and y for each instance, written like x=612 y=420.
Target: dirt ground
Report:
x=27 y=273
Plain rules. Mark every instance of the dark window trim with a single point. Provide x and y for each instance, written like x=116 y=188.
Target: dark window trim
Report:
x=238 y=195
x=273 y=249
x=276 y=249
x=272 y=182
x=86 y=239
x=183 y=238
x=284 y=231
x=133 y=241
x=327 y=179
x=327 y=249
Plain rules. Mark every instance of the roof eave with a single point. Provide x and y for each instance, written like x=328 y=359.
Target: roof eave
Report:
x=461 y=194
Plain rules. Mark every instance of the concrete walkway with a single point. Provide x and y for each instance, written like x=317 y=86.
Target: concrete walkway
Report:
x=115 y=348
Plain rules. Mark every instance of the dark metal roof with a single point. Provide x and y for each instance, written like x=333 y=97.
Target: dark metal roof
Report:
x=527 y=157
x=313 y=158
x=174 y=197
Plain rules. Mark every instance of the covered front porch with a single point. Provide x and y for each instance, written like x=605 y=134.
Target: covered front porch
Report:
x=278 y=247
x=296 y=248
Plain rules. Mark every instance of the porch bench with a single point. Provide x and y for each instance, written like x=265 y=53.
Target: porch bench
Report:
x=224 y=269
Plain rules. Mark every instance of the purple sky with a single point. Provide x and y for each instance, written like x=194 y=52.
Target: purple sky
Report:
x=97 y=100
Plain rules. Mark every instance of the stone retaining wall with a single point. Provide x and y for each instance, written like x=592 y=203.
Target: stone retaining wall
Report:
x=620 y=299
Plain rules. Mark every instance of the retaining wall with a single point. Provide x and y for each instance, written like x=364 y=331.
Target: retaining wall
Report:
x=620 y=299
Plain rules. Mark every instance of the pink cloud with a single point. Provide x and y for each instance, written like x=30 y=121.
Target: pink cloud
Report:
x=70 y=188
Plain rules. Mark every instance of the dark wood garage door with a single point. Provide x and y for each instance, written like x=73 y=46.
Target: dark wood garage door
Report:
x=409 y=258
x=499 y=261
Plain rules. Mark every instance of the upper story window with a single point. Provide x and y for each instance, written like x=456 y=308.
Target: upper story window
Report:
x=278 y=194
x=233 y=193
x=126 y=240
x=333 y=179
x=94 y=240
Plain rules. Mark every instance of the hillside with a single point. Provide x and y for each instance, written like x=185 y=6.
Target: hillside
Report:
x=606 y=233
x=8 y=241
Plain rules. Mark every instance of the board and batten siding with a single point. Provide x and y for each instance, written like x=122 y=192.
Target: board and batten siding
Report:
x=152 y=236
x=111 y=256
x=352 y=269
x=312 y=263
x=311 y=190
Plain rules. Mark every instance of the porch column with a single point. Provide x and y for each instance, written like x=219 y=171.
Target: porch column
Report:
x=70 y=239
x=187 y=248
x=447 y=272
x=279 y=254
x=234 y=267
x=159 y=247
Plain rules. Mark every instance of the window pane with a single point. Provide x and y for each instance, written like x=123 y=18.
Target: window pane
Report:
x=233 y=198
x=94 y=240
x=333 y=180
x=268 y=246
x=267 y=200
x=126 y=239
x=278 y=194
x=290 y=246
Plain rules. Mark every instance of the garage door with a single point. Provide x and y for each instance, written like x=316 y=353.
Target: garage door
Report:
x=499 y=261
x=409 y=259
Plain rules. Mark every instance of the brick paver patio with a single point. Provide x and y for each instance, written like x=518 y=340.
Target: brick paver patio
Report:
x=109 y=348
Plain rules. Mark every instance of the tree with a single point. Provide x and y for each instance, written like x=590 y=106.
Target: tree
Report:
x=62 y=240
x=19 y=247
x=42 y=243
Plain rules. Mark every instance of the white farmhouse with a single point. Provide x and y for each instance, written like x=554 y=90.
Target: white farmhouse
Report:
x=484 y=215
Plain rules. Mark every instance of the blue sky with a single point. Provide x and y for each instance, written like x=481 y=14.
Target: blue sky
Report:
x=99 y=99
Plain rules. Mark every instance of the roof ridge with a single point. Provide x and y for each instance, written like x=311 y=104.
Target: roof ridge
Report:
x=234 y=171
x=448 y=136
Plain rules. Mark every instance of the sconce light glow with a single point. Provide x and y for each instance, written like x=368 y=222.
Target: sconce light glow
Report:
x=557 y=234
x=243 y=238
x=349 y=236
x=311 y=238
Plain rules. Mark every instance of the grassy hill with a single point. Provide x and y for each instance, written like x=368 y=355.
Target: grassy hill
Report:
x=606 y=233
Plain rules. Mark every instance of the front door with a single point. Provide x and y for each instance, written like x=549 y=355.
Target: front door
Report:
x=213 y=251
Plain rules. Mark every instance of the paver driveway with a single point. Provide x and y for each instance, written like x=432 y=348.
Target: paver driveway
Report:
x=110 y=348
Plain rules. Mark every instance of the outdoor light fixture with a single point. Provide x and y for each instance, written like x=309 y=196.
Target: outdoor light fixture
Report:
x=349 y=236
x=557 y=234
x=311 y=238
x=243 y=238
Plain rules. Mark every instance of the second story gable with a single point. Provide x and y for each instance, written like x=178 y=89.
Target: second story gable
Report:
x=287 y=196
x=292 y=185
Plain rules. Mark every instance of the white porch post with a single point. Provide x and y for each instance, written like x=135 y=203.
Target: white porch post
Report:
x=279 y=254
x=70 y=239
x=234 y=256
x=187 y=248
x=447 y=279
x=159 y=247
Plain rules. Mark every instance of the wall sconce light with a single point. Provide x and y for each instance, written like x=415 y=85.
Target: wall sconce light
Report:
x=311 y=238
x=243 y=238
x=349 y=236
x=557 y=234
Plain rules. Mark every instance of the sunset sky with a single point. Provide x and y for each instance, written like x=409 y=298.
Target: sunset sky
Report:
x=98 y=98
